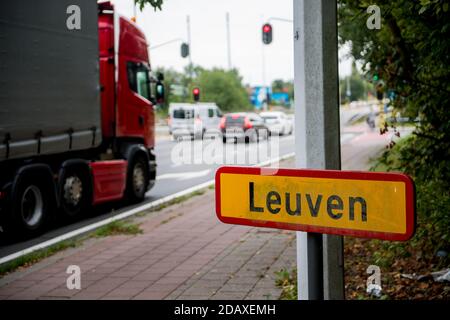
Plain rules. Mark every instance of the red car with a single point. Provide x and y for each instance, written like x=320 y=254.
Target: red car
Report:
x=243 y=126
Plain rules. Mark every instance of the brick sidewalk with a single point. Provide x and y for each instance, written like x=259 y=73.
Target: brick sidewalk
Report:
x=183 y=253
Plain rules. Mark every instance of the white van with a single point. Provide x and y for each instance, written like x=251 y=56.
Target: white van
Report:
x=194 y=119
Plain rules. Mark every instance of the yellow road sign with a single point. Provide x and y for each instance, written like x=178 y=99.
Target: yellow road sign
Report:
x=363 y=204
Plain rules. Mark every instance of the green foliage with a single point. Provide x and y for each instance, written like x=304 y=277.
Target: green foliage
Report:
x=279 y=85
x=37 y=256
x=156 y=4
x=388 y=252
x=410 y=54
x=220 y=86
x=410 y=155
x=172 y=79
x=116 y=228
x=287 y=281
x=224 y=88
x=359 y=87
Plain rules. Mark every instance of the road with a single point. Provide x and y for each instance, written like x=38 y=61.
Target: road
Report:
x=172 y=177
x=178 y=169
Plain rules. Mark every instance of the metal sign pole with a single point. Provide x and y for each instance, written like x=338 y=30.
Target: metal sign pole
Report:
x=317 y=137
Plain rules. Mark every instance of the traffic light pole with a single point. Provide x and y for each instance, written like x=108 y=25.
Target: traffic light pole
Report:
x=227 y=19
x=165 y=43
x=317 y=137
x=188 y=26
x=279 y=19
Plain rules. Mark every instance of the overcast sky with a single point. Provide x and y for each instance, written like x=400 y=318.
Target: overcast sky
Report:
x=208 y=35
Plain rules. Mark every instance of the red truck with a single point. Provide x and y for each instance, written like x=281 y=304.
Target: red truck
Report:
x=76 y=111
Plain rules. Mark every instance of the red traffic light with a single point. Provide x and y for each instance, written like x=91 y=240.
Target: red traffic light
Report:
x=196 y=93
x=267 y=33
x=267 y=28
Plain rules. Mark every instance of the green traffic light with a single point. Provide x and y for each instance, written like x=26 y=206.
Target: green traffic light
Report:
x=375 y=77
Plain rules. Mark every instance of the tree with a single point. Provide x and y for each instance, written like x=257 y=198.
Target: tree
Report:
x=279 y=85
x=410 y=54
x=173 y=79
x=222 y=87
x=359 y=86
x=156 y=4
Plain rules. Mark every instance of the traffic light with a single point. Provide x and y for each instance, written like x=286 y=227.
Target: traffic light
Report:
x=196 y=94
x=184 y=50
x=267 y=33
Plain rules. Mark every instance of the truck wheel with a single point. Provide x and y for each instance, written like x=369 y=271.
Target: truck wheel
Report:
x=74 y=195
x=137 y=179
x=30 y=206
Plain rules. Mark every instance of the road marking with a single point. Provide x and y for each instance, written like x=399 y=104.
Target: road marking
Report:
x=184 y=175
x=123 y=215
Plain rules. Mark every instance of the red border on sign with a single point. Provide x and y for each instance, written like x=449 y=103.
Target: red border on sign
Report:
x=330 y=174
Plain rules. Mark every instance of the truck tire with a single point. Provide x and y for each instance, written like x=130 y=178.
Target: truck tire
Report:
x=137 y=178
x=75 y=194
x=30 y=206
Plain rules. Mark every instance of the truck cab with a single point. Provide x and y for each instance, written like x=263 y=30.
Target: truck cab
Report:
x=126 y=102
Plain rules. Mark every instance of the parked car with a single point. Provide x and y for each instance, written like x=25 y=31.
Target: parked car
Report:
x=277 y=122
x=243 y=126
x=195 y=120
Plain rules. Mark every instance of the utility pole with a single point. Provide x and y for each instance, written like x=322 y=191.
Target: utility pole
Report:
x=349 y=90
x=317 y=137
x=263 y=56
x=228 y=40
x=188 y=25
x=263 y=70
x=265 y=105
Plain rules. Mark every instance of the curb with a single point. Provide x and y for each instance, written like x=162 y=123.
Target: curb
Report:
x=124 y=215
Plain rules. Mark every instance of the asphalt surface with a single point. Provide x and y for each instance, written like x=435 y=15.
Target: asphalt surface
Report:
x=178 y=169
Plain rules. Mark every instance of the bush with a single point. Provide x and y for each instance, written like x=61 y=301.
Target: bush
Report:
x=431 y=179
